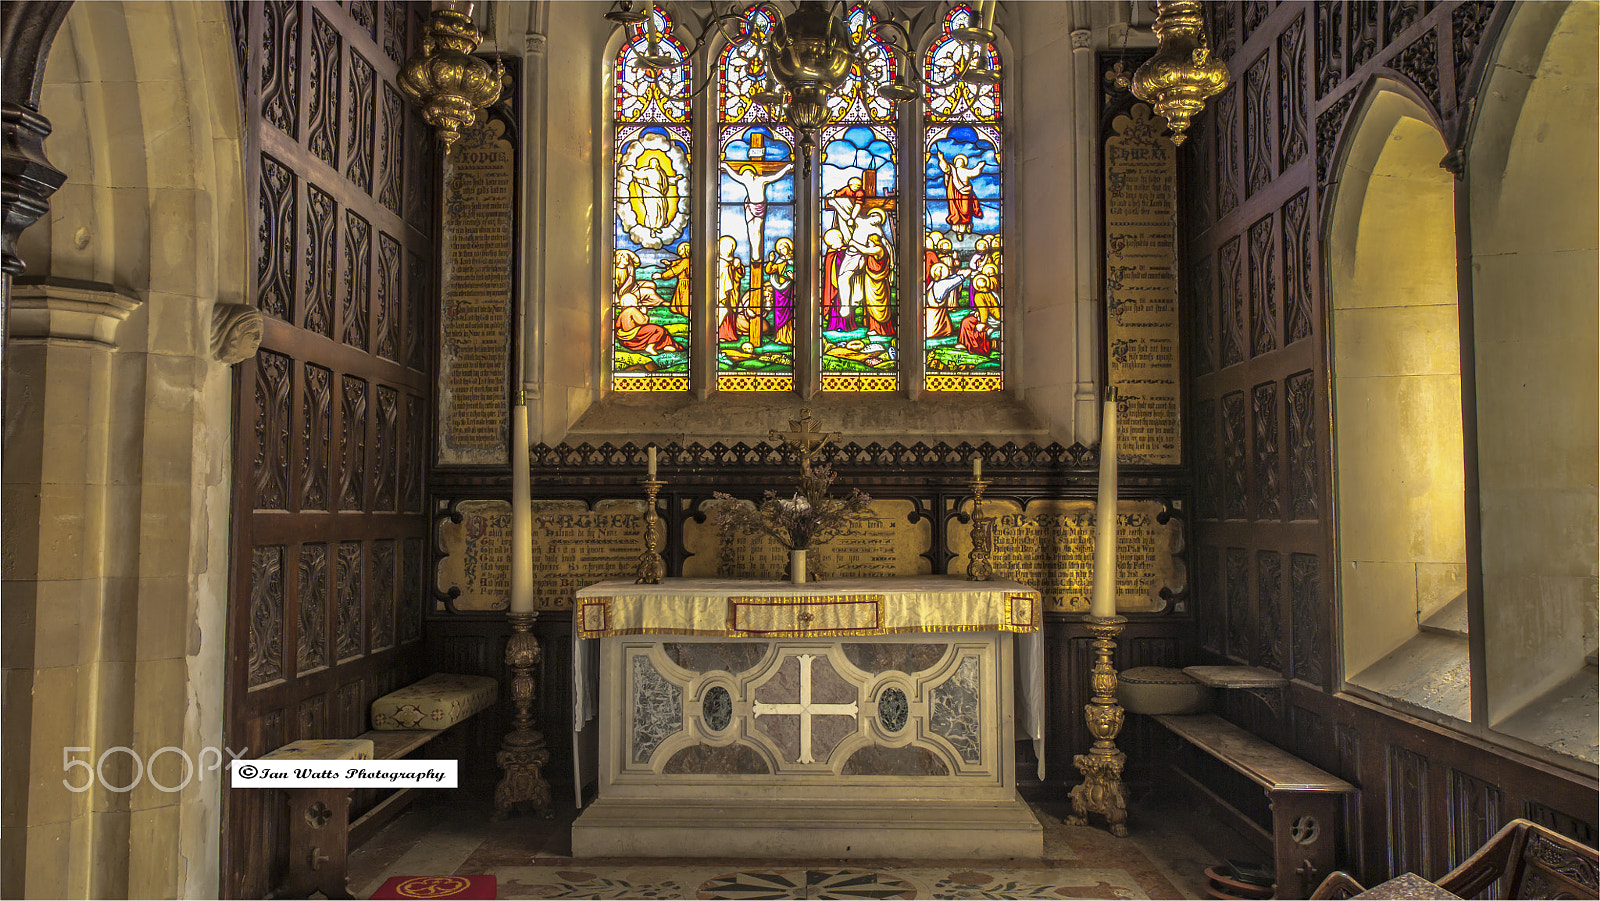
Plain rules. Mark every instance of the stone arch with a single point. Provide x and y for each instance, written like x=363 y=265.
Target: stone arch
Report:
x=1390 y=258
x=118 y=453
x=1531 y=192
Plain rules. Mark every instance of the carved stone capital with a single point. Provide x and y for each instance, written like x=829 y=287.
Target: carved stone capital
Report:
x=70 y=311
x=1081 y=39
x=236 y=330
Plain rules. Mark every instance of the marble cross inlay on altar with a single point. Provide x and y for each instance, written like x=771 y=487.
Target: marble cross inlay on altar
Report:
x=807 y=438
x=806 y=709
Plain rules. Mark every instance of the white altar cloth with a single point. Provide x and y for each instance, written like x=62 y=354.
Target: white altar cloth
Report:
x=713 y=607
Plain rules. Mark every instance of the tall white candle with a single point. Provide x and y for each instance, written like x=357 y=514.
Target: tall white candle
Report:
x=1103 y=601
x=521 y=514
x=977 y=468
x=652 y=470
x=988 y=15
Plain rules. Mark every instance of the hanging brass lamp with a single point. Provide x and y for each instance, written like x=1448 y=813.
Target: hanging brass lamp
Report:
x=445 y=79
x=1182 y=74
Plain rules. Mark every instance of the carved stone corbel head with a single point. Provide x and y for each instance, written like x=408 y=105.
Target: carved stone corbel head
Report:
x=236 y=330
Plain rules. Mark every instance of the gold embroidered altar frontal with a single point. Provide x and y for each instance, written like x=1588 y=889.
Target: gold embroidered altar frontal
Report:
x=734 y=608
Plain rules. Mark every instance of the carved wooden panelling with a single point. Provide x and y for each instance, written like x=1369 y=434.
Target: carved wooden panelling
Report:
x=1236 y=581
x=386 y=307
x=275 y=255
x=1420 y=63
x=1398 y=15
x=384 y=589
x=1292 y=93
x=416 y=310
x=1208 y=582
x=1201 y=189
x=1474 y=813
x=239 y=27
x=1314 y=737
x=266 y=615
x=1296 y=267
x=1329 y=123
x=395 y=34
x=1227 y=150
x=1362 y=25
x=313 y=716
x=348 y=624
x=352 y=444
x=1467 y=24
x=316 y=437
x=350 y=708
x=322 y=220
x=280 y=66
x=1209 y=443
x=325 y=87
x=1406 y=800
x=1305 y=603
x=1230 y=296
x=1258 y=152
x=1235 y=496
x=1263 y=289
x=274 y=382
x=357 y=280
x=365 y=14
x=1255 y=12
x=360 y=122
x=391 y=149
x=415 y=431
x=409 y=627
x=1330 y=41
x=1566 y=824
x=313 y=601
x=1203 y=299
x=1269 y=608
x=1303 y=467
x=1264 y=460
x=386 y=453
x=1224 y=29
x=418 y=204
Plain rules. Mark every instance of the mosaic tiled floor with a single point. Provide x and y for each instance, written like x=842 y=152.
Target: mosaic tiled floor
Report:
x=1162 y=858
x=835 y=883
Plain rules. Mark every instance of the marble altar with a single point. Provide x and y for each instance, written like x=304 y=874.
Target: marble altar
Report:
x=847 y=718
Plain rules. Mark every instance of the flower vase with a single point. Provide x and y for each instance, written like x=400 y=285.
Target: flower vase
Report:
x=797 y=566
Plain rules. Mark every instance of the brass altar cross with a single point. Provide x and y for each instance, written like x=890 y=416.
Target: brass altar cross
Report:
x=807 y=438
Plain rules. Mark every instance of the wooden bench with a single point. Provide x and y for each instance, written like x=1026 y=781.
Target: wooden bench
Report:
x=320 y=831
x=1305 y=801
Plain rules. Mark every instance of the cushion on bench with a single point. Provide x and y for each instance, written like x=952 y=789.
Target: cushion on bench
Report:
x=437 y=702
x=324 y=749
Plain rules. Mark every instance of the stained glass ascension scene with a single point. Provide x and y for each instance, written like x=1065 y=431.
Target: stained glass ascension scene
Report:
x=652 y=273
x=754 y=287
x=858 y=197
x=962 y=309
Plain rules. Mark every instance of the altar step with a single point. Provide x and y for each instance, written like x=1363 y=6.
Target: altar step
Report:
x=776 y=830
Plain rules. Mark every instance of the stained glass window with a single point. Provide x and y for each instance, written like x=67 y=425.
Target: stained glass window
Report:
x=652 y=310
x=787 y=215
x=858 y=198
x=753 y=295
x=963 y=259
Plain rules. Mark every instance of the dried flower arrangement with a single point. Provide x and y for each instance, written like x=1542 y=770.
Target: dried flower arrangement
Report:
x=810 y=518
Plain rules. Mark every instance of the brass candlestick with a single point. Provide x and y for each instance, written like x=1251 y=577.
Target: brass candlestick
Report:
x=650 y=570
x=1102 y=790
x=523 y=754
x=979 y=569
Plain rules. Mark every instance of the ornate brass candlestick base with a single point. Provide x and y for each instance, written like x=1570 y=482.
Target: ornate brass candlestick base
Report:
x=978 y=566
x=650 y=570
x=523 y=754
x=1102 y=791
